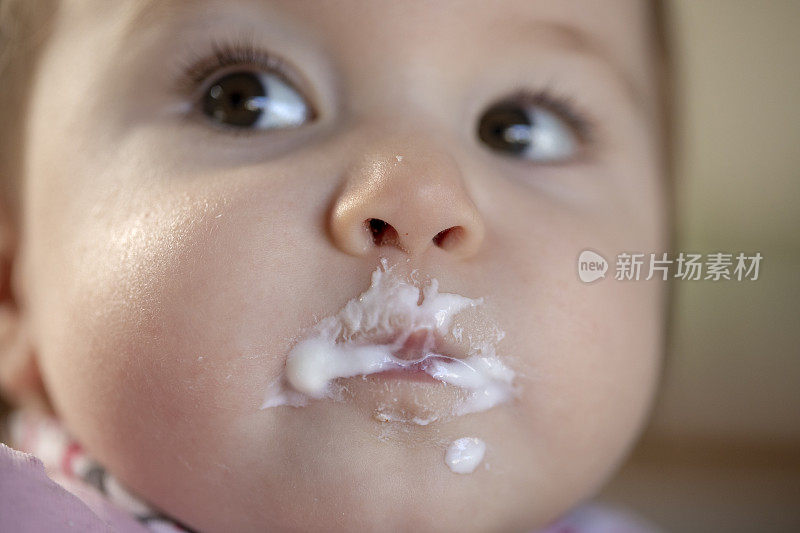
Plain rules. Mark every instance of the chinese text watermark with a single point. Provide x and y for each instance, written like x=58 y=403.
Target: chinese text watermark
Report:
x=631 y=266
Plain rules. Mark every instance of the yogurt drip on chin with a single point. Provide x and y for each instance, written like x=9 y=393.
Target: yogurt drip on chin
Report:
x=391 y=310
x=464 y=455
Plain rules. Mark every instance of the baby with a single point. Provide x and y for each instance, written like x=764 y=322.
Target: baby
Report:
x=309 y=265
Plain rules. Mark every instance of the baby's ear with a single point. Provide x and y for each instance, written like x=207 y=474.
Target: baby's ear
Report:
x=20 y=379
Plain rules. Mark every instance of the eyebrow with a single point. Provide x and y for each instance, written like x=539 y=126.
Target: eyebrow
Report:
x=558 y=34
x=568 y=37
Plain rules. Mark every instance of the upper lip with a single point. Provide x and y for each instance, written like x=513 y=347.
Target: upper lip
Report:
x=415 y=344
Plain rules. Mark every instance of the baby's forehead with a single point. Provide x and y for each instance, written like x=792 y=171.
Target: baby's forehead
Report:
x=613 y=32
x=612 y=25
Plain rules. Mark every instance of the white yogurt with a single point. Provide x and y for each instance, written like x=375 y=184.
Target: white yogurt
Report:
x=465 y=454
x=391 y=308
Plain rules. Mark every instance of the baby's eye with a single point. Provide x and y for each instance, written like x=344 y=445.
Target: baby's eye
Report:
x=533 y=128
x=254 y=100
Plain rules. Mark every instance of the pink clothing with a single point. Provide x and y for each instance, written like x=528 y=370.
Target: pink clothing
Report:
x=57 y=487
x=32 y=502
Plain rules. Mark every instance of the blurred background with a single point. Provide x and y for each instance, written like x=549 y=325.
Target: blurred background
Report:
x=722 y=452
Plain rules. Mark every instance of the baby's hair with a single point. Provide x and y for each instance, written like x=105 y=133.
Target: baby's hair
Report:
x=23 y=28
x=24 y=25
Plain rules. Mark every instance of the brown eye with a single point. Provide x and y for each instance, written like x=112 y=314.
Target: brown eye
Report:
x=254 y=100
x=528 y=131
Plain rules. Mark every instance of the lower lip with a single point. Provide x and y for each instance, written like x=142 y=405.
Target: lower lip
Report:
x=402 y=395
x=402 y=374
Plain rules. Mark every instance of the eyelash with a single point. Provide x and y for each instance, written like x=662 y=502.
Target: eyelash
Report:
x=230 y=54
x=562 y=105
x=244 y=53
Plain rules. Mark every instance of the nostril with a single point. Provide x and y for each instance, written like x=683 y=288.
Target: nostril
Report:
x=449 y=238
x=383 y=234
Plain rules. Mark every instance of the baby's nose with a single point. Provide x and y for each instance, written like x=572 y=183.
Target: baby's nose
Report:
x=406 y=193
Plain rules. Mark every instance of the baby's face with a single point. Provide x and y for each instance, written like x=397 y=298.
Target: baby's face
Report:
x=208 y=180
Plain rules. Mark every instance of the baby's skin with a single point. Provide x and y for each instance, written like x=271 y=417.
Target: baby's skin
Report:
x=204 y=182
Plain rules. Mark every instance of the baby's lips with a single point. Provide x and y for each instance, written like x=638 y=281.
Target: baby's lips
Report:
x=416 y=346
x=422 y=342
x=449 y=346
x=471 y=331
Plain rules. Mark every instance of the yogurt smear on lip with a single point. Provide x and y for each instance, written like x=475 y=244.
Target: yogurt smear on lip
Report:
x=391 y=309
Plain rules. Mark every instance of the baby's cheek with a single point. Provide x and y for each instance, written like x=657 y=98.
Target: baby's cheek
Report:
x=592 y=392
x=160 y=339
x=587 y=354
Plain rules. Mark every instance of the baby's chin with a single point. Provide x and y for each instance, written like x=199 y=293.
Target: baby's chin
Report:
x=337 y=465
x=371 y=460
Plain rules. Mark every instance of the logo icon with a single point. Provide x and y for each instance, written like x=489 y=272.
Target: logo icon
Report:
x=591 y=266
